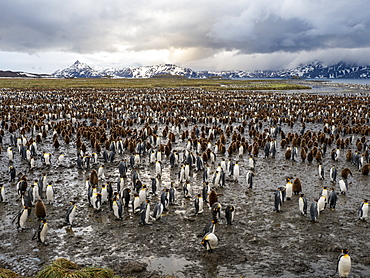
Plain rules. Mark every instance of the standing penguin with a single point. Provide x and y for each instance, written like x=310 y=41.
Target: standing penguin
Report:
x=344 y=264
x=332 y=199
x=136 y=203
x=210 y=241
x=40 y=234
x=12 y=173
x=22 y=217
x=198 y=202
x=229 y=213
x=251 y=163
x=236 y=172
x=314 y=211
x=126 y=197
x=2 y=194
x=49 y=193
x=210 y=227
x=321 y=203
x=343 y=186
x=333 y=174
x=324 y=192
x=71 y=213
x=186 y=188
x=288 y=189
x=297 y=186
x=277 y=200
x=155 y=183
x=249 y=178
x=172 y=198
x=143 y=193
x=157 y=212
x=40 y=209
x=321 y=172
x=363 y=209
x=302 y=202
x=216 y=211
x=164 y=198
x=145 y=213
x=117 y=208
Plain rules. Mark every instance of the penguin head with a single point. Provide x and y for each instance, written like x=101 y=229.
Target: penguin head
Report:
x=345 y=251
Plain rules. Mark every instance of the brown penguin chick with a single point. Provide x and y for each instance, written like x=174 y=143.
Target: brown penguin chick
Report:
x=303 y=154
x=94 y=177
x=297 y=186
x=345 y=173
x=288 y=153
x=318 y=156
x=213 y=197
x=365 y=169
x=310 y=156
x=349 y=155
x=40 y=209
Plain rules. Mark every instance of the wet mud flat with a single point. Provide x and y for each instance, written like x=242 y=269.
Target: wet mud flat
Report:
x=260 y=243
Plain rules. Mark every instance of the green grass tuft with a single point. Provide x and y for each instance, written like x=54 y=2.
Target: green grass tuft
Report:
x=63 y=268
x=6 y=273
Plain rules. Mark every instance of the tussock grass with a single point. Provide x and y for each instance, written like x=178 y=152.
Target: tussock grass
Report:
x=63 y=268
x=103 y=83
x=5 y=273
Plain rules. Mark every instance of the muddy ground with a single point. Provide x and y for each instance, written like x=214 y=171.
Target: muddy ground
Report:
x=260 y=243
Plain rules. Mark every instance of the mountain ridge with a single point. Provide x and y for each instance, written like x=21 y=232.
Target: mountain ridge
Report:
x=311 y=70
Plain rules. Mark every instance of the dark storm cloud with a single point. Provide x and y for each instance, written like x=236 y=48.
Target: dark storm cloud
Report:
x=188 y=30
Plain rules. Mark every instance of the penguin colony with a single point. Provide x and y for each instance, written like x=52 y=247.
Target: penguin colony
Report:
x=148 y=156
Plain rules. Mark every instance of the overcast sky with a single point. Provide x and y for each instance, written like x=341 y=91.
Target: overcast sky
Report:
x=42 y=36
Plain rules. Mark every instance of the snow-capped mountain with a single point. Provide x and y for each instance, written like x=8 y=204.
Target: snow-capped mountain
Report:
x=311 y=70
x=78 y=69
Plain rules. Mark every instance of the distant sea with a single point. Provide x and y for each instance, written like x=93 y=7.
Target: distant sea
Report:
x=346 y=81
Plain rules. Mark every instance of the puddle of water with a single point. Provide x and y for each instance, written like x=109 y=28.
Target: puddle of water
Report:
x=171 y=265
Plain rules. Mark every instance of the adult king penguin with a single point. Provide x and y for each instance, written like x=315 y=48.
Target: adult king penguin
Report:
x=230 y=213
x=314 y=211
x=198 y=202
x=71 y=213
x=302 y=202
x=210 y=241
x=40 y=234
x=344 y=264
x=363 y=210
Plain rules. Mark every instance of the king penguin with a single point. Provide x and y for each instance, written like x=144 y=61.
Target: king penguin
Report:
x=198 y=203
x=302 y=201
x=145 y=213
x=249 y=178
x=22 y=217
x=344 y=264
x=343 y=186
x=2 y=194
x=172 y=194
x=210 y=241
x=289 y=189
x=229 y=213
x=332 y=199
x=71 y=213
x=164 y=198
x=363 y=209
x=314 y=211
x=41 y=232
x=157 y=212
x=117 y=208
